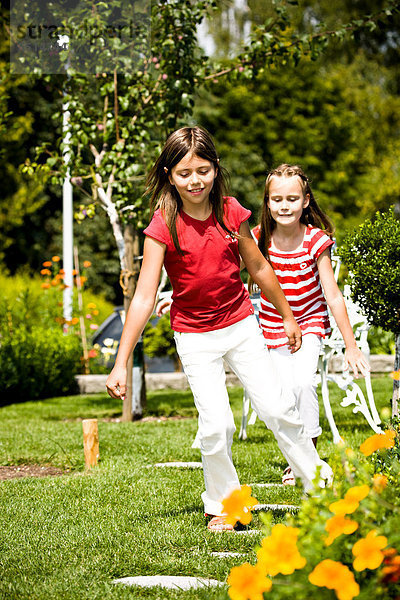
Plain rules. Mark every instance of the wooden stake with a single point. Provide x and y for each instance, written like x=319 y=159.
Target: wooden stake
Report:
x=90 y=442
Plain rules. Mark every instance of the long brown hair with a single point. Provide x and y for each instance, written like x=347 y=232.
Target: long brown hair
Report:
x=163 y=195
x=311 y=215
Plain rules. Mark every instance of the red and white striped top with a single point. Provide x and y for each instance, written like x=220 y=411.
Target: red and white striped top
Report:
x=297 y=273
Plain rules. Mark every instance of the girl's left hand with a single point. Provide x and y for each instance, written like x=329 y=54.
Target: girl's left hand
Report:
x=293 y=333
x=354 y=358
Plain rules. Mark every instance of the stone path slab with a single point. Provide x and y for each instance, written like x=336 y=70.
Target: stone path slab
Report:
x=227 y=554
x=288 y=507
x=170 y=582
x=267 y=485
x=182 y=465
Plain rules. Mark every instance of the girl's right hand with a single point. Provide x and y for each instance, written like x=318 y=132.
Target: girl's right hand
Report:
x=116 y=382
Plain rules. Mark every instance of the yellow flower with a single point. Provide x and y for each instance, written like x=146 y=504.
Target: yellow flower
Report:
x=395 y=375
x=237 y=506
x=379 y=482
x=335 y=576
x=92 y=305
x=378 y=441
x=279 y=552
x=368 y=551
x=248 y=583
x=351 y=500
x=337 y=525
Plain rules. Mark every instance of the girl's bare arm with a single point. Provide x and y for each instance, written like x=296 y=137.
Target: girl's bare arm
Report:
x=263 y=275
x=334 y=297
x=139 y=312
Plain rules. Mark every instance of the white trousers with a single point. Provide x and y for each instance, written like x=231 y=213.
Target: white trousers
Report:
x=298 y=375
x=242 y=346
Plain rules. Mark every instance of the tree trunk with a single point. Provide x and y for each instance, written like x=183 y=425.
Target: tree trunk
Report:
x=396 y=382
x=135 y=398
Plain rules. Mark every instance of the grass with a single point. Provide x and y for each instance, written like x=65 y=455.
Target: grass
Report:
x=68 y=537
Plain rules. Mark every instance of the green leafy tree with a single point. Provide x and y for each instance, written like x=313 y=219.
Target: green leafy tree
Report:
x=372 y=255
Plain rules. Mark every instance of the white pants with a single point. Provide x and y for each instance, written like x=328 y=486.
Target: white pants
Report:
x=298 y=374
x=242 y=346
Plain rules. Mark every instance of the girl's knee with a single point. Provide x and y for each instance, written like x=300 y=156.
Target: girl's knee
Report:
x=216 y=438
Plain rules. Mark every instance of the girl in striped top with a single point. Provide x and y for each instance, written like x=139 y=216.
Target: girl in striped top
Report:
x=296 y=236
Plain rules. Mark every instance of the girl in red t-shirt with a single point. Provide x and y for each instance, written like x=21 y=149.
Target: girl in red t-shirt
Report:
x=295 y=234
x=200 y=235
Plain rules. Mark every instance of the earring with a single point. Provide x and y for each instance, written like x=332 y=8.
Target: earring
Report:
x=165 y=170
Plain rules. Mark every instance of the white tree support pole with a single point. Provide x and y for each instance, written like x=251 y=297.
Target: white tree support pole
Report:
x=67 y=224
x=90 y=442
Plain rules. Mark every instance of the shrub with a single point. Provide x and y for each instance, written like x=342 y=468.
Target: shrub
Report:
x=37 y=362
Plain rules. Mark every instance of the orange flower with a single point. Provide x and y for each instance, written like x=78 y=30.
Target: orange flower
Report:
x=237 y=506
x=74 y=320
x=95 y=312
x=45 y=272
x=279 y=552
x=54 y=282
x=335 y=576
x=378 y=441
x=55 y=258
x=368 y=551
x=45 y=286
x=395 y=375
x=391 y=570
x=74 y=272
x=47 y=263
x=247 y=582
x=351 y=500
x=92 y=353
x=337 y=525
x=379 y=482
x=87 y=264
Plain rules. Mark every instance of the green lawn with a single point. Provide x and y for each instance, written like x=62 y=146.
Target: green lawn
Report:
x=68 y=537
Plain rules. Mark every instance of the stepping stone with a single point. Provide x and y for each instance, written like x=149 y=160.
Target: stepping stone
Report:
x=171 y=582
x=182 y=465
x=227 y=554
x=288 y=507
x=267 y=485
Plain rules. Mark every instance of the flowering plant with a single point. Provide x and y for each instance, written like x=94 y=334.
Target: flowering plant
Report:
x=344 y=543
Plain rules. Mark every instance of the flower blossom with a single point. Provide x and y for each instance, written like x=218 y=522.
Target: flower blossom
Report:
x=351 y=500
x=379 y=482
x=391 y=570
x=279 y=552
x=335 y=576
x=45 y=272
x=55 y=258
x=237 y=506
x=368 y=551
x=87 y=264
x=337 y=525
x=47 y=263
x=378 y=441
x=395 y=375
x=248 y=582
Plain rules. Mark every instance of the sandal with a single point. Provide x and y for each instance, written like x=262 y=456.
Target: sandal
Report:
x=218 y=523
x=288 y=478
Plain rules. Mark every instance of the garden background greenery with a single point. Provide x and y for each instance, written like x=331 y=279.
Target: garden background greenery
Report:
x=304 y=87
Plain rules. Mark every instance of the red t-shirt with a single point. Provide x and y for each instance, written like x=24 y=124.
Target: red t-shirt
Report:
x=208 y=292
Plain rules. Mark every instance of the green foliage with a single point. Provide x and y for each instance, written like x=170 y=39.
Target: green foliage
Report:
x=372 y=255
x=158 y=338
x=37 y=362
x=380 y=341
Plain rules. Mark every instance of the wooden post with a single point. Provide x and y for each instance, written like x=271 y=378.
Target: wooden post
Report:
x=90 y=442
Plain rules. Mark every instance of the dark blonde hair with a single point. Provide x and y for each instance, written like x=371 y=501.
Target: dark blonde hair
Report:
x=164 y=196
x=312 y=214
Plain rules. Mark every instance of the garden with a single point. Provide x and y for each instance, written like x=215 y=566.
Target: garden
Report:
x=284 y=81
